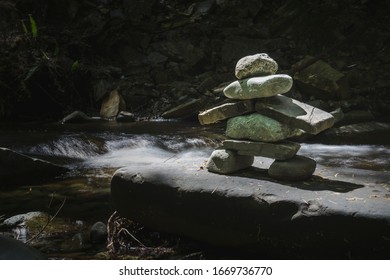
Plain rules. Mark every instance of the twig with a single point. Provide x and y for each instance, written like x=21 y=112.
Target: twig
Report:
x=48 y=222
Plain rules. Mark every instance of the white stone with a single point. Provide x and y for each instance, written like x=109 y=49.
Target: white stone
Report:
x=255 y=65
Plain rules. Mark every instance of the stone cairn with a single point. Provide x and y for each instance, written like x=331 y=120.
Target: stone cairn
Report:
x=260 y=119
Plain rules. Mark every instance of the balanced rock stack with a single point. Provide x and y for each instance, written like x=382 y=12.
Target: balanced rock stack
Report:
x=260 y=119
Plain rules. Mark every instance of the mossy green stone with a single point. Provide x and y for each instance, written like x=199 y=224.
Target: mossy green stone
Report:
x=257 y=127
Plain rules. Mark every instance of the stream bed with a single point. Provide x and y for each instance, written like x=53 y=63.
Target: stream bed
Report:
x=93 y=151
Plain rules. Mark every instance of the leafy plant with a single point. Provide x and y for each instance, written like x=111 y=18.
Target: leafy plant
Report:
x=74 y=66
x=34 y=28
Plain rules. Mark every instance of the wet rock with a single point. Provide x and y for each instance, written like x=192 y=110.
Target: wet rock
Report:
x=226 y=111
x=321 y=80
x=125 y=116
x=258 y=127
x=348 y=216
x=112 y=105
x=297 y=168
x=338 y=115
x=228 y=161
x=295 y=113
x=18 y=169
x=258 y=87
x=22 y=219
x=281 y=150
x=255 y=65
x=98 y=233
x=12 y=249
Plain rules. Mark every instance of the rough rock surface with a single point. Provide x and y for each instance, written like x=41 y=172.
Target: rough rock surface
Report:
x=338 y=213
x=295 y=169
x=281 y=150
x=227 y=161
x=257 y=127
x=255 y=65
x=112 y=105
x=226 y=111
x=259 y=87
x=19 y=169
x=294 y=113
x=321 y=80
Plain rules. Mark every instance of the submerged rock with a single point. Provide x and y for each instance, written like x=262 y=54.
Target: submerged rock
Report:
x=259 y=87
x=12 y=249
x=257 y=127
x=255 y=65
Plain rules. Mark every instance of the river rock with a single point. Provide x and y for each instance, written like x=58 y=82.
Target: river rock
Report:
x=18 y=169
x=227 y=161
x=259 y=87
x=257 y=127
x=294 y=113
x=226 y=111
x=98 y=233
x=297 y=168
x=331 y=216
x=112 y=105
x=255 y=65
x=321 y=80
x=280 y=150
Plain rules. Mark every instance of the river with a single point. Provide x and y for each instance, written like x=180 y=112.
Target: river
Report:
x=93 y=151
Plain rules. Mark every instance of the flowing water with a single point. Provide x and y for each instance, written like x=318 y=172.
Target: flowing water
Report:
x=93 y=151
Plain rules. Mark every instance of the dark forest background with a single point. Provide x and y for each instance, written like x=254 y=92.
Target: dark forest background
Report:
x=58 y=56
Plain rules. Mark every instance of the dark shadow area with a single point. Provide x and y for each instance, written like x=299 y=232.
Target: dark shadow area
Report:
x=315 y=183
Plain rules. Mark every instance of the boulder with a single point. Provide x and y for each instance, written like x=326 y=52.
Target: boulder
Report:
x=259 y=87
x=12 y=249
x=112 y=105
x=333 y=215
x=280 y=150
x=19 y=169
x=257 y=127
x=297 y=168
x=227 y=161
x=226 y=111
x=255 y=65
x=294 y=113
x=98 y=233
x=321 y=80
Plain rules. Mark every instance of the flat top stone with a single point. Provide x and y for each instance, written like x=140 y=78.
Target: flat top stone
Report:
x=280 y=150
x=225 y=111
x=295 y=113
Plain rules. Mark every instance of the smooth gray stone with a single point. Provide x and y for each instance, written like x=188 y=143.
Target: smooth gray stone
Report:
x=331 y=215
x=255 y=65
x=280 y=150
x=226 y=111
x=297 y=168
x=259 y=87
x=227 y=161
x=295 y=113
x=258 y=127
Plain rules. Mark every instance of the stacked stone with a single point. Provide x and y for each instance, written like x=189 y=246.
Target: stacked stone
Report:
x=260 y=119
